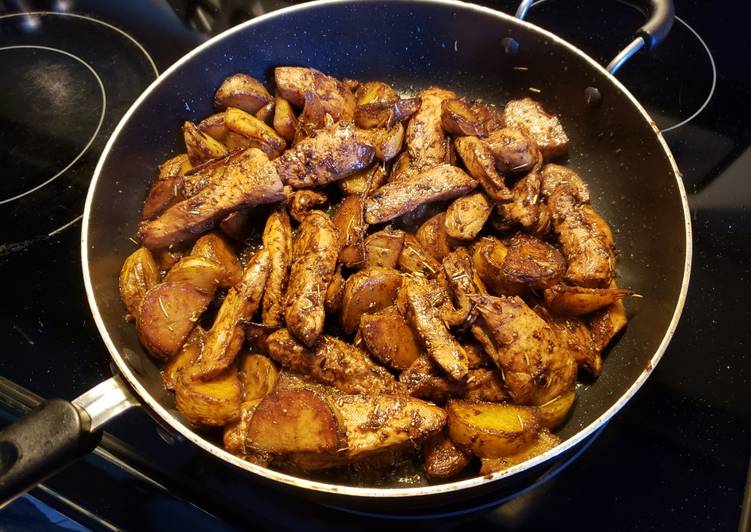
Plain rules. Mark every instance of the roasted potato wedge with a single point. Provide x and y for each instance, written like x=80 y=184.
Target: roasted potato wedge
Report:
x=414 y=258
x=544 y=442
x=212 y=402
x=293 y=421
x=166 y=188
x=237 y=225
x=258 y=376
x=492 y=430
x=433 y=237
x=387 y=142
x=200 y=146
x=383 y=248
x=466 y=216
x=441 y=458
x=301 y=202
x=243 y=92
x=531 y=263
x=488 y=257
x=259 y=134
x=368 y=290
x=554 y=412
x=350 y=222
x=266 y=114
x=577 y=300
x=389 y=338
x=285 y=121
x=375 y=92
x=512 y=151
x=458 y=119
x=480 y=164
x=335 y=293
x=201 y=272
x=365 y=181
x=138 y=275
x=606 y=323
x=544 y=129
x=483 y=384
x=215 y=248
x=188 y=354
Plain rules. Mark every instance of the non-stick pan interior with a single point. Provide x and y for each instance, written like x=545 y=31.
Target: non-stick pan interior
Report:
x=413 y=45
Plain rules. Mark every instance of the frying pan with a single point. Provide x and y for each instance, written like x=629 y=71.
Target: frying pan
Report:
x=475 y=51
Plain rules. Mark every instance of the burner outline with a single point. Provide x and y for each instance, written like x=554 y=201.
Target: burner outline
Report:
x=93 y=136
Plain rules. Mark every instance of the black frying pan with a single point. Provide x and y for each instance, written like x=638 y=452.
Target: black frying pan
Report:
x=410 y=44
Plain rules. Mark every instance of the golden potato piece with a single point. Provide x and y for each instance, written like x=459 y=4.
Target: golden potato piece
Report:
x=200 y=146
x=434 y=238
x=189 y=353
x=544 y=129
x=290 y=421
x=441 y=457
x=531 y=263
x=544 y=442
x=168 y=313
x=243 y=92
x=285 y=121
x=606 y=323
x=375 y=92
x=350 y=222
x=215 y=248
x=488 y=257
x=201 y=272
x=234 y=436
x=457 y=118
x=214 y=127
x=554 y=412
x=335 y=293
x=167 y=257
x=138 y=275
x=266 y=114
x=577 y=300
x=491 y=430
x=389 y=338
x=414 y=258
x=387 y=142
x=237 y=224
x=480 y=164
x=166 y=188
x=258 y=376
x=259 y=134
x=365 y=181
x=301 y=202
x=368 y=290
x=466 y=216
x=277 y=239
x=512 y=151
x=383 y=248
x=212 y=402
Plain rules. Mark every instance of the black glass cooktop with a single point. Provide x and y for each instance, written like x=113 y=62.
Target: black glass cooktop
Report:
x=674 y=459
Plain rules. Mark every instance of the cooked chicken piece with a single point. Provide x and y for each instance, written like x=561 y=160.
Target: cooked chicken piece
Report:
x=480 y=164
x=467 y=215
x=433 y=237
x=404 y=195
x=199 y=177
x=513 y=151
x=188 y=354
x=385 y=114
x=577 y=339
x=293 y=82
x=488 y=115
x=334 y=299
x=327 y=155
x=535 y=366
x=525 y=208
x=476 y=355
x=242 y=91
x=226 y=336
x=332 y=361
x=277 y=240
x=555 y=176
x=301 y=202
x=166 y=188
x=424 y=379
x=427 y=144
x=383 y=248
x=435 y=337
x=530 y=263
x=544 y=129
x=349 y=219
x=238 y=224
x=314 y=116
x=461 y=282
x=249 y=180
x=442 y=458
x=606 y=323
x=315 y=251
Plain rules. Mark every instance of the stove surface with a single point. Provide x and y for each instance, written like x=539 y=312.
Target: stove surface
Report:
x=675 y=458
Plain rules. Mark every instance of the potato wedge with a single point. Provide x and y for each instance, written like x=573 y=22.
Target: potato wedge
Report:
x=368 y=290
x=387 y=143
x=424 y=379
x=214 y=127
x=212 y=402
x=285 y=121
x=350 y=222
x=266 y=114
x=238 y=224
x=383 y=248
x=492 y=430
x=258 y=376
x=188 y=354
x=480 y=164
x=544 y=442
x=606 y=323
x=488 y=256
x=226 y=336
x=530 y=263
x=138 y=275
x=441 y=458
x=290 y=421
x=243 y=92
x=166 y=188
x=554 y=412
x=433 y=237
x=466 y=216
x=375 y=92
x=458 y=119
x=414 y=258
x=215 y=248
x=389 y=338
x=201 y=272
x=577 y=300
x=167 y=257
x=544 y=129
x=259 y=135
x=365 y=181
x=234 y=436
x=200 y=146
x=335 y=293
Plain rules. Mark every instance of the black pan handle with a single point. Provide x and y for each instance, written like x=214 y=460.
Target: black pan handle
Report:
x=55 y=434
x=660 y=16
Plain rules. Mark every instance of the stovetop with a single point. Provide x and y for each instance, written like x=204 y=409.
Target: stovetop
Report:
x=676 y=457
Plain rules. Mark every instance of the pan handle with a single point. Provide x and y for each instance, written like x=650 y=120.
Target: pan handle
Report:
x=55 y=434
x=660 y=16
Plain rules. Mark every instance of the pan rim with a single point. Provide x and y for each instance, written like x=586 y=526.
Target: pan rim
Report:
x=359 y=492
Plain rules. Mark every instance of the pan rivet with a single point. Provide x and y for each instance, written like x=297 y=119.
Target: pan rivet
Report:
x=510 y=46
x=592 y=96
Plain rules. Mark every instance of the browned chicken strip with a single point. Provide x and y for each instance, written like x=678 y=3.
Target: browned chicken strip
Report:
x=427 y=144
x=333 y=362
x=166 y=189
x=525 y=208
x=480 y=163
x=404 y=195
x=543 y=128
x=435 y=337
x=277 y=240
x=328 y=155
x=535 y=366
x=315 y=251
x=336 y=99
x=250 y=180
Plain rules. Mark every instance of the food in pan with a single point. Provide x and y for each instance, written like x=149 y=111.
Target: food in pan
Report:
x=341 y=277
